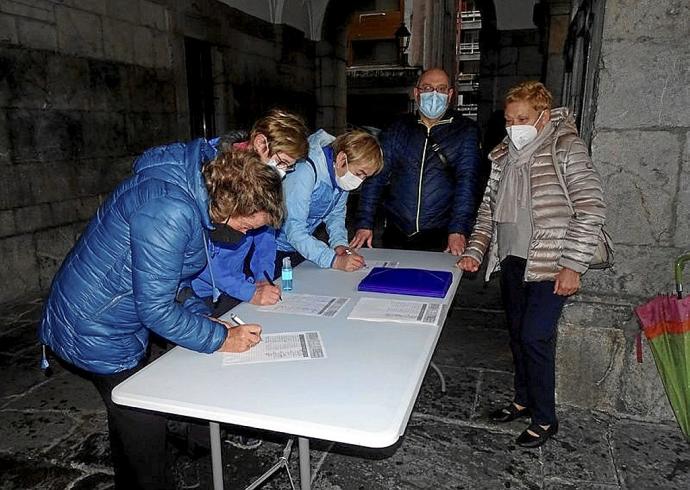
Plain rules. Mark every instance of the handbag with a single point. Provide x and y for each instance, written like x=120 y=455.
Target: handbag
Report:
x=603 y=254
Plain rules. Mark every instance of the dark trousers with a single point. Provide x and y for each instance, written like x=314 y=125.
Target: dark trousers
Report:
x=137 y=439
x=434 y=240
x=533 y=310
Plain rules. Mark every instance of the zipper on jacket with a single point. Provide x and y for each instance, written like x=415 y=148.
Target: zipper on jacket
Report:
x=531 y=217
x=421 y=168
x=421 y=179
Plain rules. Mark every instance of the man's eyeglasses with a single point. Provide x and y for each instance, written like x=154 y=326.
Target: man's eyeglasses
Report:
x=441 y=89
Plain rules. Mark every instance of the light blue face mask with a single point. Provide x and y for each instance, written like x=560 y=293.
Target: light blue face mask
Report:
x=433 y=104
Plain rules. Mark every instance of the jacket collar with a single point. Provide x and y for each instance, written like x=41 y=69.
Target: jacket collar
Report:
x=562 y=120
x=330 y=164
x=446 y=118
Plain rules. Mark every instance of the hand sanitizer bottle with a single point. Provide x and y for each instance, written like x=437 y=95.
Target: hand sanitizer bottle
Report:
x=286 y=274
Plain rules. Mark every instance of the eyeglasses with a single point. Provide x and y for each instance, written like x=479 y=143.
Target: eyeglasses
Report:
x=283 y=165
x=243 y=224
x=441 y=89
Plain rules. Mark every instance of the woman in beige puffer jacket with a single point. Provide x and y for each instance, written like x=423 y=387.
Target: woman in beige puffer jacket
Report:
x=540 y=244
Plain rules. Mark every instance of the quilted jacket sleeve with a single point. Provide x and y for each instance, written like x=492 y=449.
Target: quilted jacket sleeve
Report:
x=482 y=232
x=589 y=210
x=160 y=233
x=466 y=164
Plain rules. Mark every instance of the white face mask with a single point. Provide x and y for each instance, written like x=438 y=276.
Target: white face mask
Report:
x=349 y=181
x=273 y=163
x=522 y=135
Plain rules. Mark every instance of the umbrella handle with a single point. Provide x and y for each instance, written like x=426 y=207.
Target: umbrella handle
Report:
x=680 y=265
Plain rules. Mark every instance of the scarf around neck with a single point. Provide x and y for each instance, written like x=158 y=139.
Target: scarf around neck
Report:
x=513 y=188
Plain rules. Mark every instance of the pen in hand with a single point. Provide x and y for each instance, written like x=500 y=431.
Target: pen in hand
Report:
x=349 y=252
x=238 y=321
x=252 y=336
x=270 y=281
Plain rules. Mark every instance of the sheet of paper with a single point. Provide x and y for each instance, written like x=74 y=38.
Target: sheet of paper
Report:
x=385 y=310
x=274 y=347
x=307 y=304
x=391 y=264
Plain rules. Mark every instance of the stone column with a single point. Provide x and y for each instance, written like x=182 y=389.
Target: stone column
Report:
x=559 y=18
x=331 y=87
x=640 y=147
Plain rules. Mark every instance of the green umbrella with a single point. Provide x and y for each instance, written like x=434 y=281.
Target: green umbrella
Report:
x=666 y=324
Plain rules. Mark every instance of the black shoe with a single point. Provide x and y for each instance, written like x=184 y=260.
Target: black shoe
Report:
x=509 y=413
x=528 y=440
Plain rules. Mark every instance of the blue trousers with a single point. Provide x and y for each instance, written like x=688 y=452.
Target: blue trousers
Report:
x=533 y=311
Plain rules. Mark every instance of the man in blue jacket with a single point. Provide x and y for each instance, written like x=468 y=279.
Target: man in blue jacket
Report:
x=432 y=166
x=130 y=274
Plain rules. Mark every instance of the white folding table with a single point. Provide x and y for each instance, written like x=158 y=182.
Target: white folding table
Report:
x=361 y=394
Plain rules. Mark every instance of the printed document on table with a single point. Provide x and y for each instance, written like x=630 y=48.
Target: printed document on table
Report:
x=386 y=310
x=274 y=347
x=307 y=304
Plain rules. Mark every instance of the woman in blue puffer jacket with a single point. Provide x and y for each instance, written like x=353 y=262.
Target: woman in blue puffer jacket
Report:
x=129 y=275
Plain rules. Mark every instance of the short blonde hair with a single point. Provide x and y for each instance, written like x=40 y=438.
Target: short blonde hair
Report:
x=240 y=185
x=361 y=149
x=285 y=131
x=531 y=91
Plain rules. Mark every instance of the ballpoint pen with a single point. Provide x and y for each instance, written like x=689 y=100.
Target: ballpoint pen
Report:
x=270 y=281
x=239 y=322
x=349 y=252
x=236 y=319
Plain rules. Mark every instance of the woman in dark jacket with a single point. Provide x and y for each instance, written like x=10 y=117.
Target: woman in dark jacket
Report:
x=129 y=275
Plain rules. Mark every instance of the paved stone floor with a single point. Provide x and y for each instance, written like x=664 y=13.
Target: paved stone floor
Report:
x=53 y=432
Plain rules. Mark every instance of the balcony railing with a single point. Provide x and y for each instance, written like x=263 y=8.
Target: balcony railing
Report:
x=468 y=48
x=467 y=82
x=471 y=16
x=469 y=110
x=466 y=77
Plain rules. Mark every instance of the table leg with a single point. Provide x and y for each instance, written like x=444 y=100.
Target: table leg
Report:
x=304 y=464
x=216 y=456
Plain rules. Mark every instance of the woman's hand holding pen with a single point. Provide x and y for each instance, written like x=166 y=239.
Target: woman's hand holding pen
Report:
x=347 y=260
x=265 y=294
x=241 y=338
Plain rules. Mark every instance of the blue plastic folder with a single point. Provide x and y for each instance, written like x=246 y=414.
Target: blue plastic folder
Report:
x=413 y=282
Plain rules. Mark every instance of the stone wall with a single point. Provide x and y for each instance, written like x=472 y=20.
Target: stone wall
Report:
x=641 y=147
x=86 y=85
